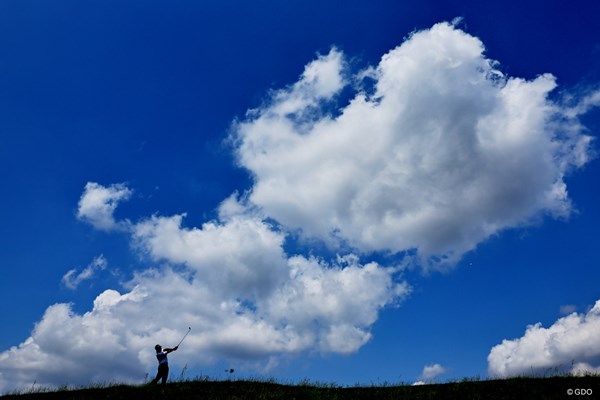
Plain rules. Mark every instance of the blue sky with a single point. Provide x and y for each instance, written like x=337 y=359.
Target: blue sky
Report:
x=257 y=170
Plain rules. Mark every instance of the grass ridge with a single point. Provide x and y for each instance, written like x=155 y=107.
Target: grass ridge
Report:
x=556 y=387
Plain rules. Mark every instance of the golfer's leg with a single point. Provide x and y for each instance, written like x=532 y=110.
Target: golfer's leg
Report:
x=158 y=375
x=165 y=374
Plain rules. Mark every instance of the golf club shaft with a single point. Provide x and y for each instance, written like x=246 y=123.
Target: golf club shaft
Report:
x=184 y=336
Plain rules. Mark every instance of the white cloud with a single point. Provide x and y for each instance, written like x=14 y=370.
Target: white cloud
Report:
x=321 y=80
x=444 y=153
x=243 y=257
x=98 y=203
x=231 y=282
x=571 y=343
x=72 y=279
x=330 y=306
x=589 y=101
x=96 y=346
x=583 y=369
x=339 y=302
x=430 y=372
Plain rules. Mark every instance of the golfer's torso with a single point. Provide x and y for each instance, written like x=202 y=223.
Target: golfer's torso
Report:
x=162 y=358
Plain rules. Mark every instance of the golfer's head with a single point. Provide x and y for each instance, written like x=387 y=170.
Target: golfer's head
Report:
x=158 y=348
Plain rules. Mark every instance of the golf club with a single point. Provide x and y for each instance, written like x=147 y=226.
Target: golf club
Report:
x=189 y=329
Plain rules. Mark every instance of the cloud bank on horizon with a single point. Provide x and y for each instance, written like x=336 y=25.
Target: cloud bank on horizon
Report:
x=570 y=344
x=435 y=151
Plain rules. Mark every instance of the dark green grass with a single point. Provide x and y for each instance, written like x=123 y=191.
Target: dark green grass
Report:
x=514 y=388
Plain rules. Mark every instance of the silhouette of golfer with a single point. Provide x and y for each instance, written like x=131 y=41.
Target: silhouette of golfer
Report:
x=163 y=364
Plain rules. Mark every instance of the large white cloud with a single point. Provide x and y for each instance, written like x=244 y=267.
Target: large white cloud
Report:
x=302 y=301
x=444 y=152
x=572 y=344
x=232 y=282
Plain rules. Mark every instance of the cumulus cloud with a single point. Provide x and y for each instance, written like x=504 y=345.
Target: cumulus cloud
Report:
x=571 y=343
x=91 y=347
x=329 y=306
x=444 y=152
x=98 y=203
x=72 y=279
x=245 y=298
x=430 y=373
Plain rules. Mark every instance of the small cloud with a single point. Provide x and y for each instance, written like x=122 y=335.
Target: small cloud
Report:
x=98 y=203
x=584 y=369
x=71 y=279
x=430 y=372
x=568 y=309
x=457 y=21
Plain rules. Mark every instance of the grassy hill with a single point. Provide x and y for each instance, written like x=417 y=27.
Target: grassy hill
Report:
x=516 y=388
